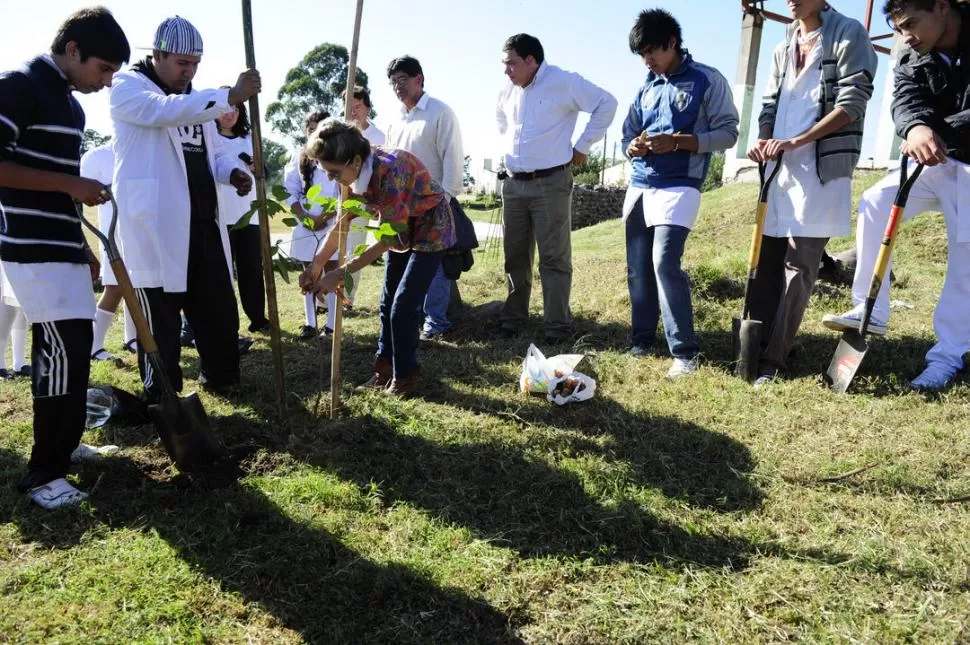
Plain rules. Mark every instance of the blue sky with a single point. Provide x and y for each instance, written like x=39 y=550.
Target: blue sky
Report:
x=458 y=44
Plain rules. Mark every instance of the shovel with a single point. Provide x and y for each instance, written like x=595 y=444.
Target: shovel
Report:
x=182 y=423
x=853 y=346
x=746 y=333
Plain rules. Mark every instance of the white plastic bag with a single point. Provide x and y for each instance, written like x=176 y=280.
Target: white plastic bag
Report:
x=555 y=377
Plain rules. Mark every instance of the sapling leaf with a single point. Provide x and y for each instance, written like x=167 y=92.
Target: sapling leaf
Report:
x=279 y=193
x=360 y=249
x=289 y=221
x=348 y=282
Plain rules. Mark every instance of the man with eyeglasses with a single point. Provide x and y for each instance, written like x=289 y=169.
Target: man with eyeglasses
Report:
x=536 y=116
x=428 y=128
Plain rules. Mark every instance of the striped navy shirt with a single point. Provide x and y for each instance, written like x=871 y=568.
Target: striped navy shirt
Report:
x=41 y=126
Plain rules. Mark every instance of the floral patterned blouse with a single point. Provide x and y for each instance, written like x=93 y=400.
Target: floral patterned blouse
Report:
x=402 y=193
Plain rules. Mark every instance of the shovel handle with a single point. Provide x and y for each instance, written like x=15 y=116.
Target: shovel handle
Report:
x=757 y=232
x=906 y=182
x=145 y=337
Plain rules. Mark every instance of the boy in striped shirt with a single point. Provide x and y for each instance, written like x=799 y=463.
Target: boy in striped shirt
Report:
x=45 y=256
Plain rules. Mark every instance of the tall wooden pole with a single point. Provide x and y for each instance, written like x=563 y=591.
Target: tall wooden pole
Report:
x=341 y=228
x=273 y=310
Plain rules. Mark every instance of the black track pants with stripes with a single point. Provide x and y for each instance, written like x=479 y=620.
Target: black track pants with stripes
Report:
x=61 y=363
x=210 y=307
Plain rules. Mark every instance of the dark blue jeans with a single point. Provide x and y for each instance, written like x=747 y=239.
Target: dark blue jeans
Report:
x=658 y=286
x=407 y=277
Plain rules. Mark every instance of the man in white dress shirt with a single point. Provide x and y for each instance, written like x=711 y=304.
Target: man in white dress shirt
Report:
x=536 y=115
x=429 y=130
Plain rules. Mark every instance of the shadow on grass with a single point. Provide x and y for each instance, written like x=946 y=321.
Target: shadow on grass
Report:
x=888 y=365
x=509 y=498
x=304 y=576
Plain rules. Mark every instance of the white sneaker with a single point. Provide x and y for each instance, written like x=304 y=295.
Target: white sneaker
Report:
x=764 y=381
x=852 y=319
x=84 y=452
x=55 y=494
x=934 y=378
x=683 y=367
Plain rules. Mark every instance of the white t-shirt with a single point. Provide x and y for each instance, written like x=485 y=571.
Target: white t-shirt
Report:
x=51 y=291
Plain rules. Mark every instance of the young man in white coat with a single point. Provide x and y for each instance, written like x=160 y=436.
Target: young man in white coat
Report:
x=814 y=111
x=168 y=158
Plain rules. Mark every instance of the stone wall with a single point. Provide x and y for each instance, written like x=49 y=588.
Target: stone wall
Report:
x=592 y=205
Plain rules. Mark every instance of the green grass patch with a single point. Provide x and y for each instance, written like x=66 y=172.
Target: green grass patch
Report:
x=700 y=510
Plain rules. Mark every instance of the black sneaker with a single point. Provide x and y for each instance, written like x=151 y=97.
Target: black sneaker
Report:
x=6 y=375
x=260 y=328
x=131 y=346
x=25 y=372
x=307 y=333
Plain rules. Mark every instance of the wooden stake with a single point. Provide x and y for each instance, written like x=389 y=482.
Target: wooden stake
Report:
x=341 y=240
x=273 y=309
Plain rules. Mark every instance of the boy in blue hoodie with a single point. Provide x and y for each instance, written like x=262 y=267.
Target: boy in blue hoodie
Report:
x=683 y=113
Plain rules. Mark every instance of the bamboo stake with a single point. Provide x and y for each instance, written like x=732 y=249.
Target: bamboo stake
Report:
x=270 y=279
x=341 y=227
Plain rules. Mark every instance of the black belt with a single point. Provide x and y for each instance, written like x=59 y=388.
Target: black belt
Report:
x=537 y=174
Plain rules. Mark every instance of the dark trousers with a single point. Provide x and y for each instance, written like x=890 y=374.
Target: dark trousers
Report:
x=787 y=270
x=407 y=277
x=61 y=363
x=210 y=307
x=246 y=255
x=538 y=213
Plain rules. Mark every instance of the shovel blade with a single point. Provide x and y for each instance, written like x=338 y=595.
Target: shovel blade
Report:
x=186 y=434
x=746 y=341
x=846 y=360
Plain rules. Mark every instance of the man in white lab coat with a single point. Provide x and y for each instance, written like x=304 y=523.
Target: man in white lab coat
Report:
x=168 y=156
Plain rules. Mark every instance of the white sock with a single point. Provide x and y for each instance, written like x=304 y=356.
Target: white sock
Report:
x=130 y=332
x=18 y=339
x=310 y=305
x=7 y=314
x=102 y=323
x=331 y=310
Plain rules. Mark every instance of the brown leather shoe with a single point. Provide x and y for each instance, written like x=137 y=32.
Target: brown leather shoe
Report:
x=381 y=378
x=405 y=387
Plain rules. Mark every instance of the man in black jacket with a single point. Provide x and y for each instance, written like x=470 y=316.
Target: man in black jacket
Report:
x=931 y=112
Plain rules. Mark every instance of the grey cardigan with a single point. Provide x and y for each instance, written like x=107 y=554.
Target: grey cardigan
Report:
x=848 y=68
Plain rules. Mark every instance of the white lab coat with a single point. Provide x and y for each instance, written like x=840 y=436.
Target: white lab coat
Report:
x=150 y=179
x=232 y=205
x=303 y=241
x=799 y=204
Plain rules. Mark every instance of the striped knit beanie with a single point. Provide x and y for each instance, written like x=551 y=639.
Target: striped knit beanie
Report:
x=176 y=35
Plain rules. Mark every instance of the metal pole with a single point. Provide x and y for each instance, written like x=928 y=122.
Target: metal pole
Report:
x=341 y=240
x=603 y=168
x=273 y=310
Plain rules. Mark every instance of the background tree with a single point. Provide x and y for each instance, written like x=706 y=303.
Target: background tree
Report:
x=467 y=180
x=316 y=82
x=589 y=172
x=93 y=139
x=275 y=158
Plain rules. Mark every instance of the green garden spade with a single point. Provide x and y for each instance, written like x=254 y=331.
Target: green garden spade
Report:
x=853 y=346
x=746 y=333
x=181 y=422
